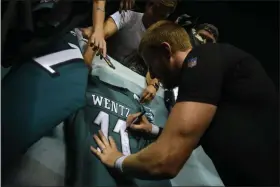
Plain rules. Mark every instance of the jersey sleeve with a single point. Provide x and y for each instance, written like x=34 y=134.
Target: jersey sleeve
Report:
x=122 y=19
x=202 y=76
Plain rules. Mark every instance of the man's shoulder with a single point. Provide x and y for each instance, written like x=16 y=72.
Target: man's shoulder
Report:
x=216 y=46
x=135 y=16
x=220 y=51
x=134 y=13
x=205 y=50
x=127 y=14
x=213 y=57
x=125 y=18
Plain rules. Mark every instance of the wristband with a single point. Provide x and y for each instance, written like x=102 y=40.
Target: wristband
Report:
x=155 y=85
x=119 y=162
x=155 y=130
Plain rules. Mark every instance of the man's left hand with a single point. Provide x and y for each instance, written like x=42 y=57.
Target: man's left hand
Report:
x=148 y=94
x=109 y=152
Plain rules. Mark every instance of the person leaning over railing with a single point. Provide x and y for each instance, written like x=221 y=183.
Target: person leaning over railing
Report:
x=123 y=32
x=226 y=103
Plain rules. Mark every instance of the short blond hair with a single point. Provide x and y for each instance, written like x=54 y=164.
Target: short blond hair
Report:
x=165 y=31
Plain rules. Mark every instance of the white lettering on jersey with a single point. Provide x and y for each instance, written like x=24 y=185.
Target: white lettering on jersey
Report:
x=127 y=113
x=120 y=128
x=122 y=107
x=97 y=100
x=115 y=107
x=107 y=101
x=110 y=105
x=52 y=59
x=102 y=120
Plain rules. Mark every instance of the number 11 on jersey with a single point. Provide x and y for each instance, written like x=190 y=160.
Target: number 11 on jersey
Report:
x=103 y=121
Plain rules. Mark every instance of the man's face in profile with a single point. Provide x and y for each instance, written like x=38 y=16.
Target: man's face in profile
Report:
x=160 y=67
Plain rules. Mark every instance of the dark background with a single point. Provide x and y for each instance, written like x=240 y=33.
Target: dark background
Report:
x=250 y=25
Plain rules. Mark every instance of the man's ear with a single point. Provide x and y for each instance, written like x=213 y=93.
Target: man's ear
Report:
x=166 y=48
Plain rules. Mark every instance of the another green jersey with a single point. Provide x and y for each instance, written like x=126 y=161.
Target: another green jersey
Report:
x=107 y=109
x=40 y=93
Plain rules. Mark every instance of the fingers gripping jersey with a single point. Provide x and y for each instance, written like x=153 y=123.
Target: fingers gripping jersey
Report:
x=107 y=109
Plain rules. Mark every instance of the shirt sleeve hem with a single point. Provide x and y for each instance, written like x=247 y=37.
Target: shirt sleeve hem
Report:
x=199 y=100
x=122 y=19
x=117 y=19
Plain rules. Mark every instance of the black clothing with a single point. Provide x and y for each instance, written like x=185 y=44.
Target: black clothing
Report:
x=242 y=139
x=40 y=28
x=169 y=99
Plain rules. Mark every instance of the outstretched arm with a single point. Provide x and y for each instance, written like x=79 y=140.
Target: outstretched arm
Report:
x=114 y=23
x=97 y=36
x=110 y=28
x=98 y=15
x=165 y=157
x=151 y=89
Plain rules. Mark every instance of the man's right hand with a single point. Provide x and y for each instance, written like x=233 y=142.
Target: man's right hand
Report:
x=143 y=126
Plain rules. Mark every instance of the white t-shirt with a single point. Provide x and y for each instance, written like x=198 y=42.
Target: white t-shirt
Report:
x=128 y=37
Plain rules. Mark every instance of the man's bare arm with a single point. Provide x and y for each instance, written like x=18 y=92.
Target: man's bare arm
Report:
x=98 y=14
x=164 y=158
x=110 y=28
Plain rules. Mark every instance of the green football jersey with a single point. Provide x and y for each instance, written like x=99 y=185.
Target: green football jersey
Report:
x=107 y=109
x=40 y=93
